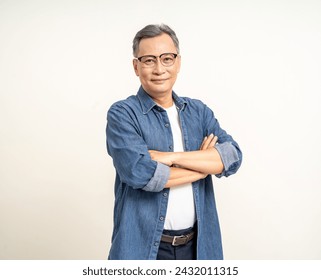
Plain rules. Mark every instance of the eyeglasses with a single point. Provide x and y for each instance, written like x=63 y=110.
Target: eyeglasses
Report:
x=166 y=59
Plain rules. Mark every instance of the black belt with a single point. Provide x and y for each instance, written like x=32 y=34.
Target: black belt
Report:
x=178 y=240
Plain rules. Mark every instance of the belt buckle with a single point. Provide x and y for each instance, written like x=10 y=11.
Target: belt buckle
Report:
x=175 y=239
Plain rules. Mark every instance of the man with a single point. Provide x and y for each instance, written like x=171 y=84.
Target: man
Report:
x=164 y=150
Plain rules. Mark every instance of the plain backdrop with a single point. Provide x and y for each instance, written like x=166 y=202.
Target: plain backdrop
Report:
x=257 y=64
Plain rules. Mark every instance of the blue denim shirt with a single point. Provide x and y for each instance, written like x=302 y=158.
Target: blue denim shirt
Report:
x=136 y=125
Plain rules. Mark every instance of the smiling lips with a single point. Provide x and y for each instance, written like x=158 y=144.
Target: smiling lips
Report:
x=158 y=80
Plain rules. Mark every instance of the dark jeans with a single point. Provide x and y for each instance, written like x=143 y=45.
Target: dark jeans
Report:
x=167 y=251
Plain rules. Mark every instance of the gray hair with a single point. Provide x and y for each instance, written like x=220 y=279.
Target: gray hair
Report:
x=151 y=31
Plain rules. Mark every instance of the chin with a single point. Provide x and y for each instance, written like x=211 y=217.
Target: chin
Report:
x=161 y=90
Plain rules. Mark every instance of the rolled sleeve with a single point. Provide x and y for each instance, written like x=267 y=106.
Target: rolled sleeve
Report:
x=230 y=158
x=159 y=180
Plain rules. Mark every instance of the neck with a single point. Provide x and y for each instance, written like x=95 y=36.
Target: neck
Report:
x=165 y=99
x=164 y=102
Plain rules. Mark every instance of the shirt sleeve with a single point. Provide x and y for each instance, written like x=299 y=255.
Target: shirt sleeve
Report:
x=159 y=180
x=130 y=154
x=226 y=146
x=230 y=158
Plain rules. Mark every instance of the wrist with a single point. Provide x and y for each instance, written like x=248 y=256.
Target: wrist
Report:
x=175 y=157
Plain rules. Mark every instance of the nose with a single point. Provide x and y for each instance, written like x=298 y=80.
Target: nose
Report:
x=159 y=68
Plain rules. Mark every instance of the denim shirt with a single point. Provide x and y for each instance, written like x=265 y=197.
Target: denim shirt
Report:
x=136 y=125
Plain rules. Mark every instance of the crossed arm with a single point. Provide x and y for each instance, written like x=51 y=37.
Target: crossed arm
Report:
x=187 y=167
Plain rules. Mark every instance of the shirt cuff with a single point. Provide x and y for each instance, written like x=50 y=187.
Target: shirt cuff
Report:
x=159 y=180
x=228 y=154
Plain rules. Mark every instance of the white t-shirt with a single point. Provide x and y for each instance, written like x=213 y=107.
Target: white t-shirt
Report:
x=181 y=209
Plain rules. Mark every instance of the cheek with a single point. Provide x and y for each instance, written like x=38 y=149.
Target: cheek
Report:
x=144 y=78
x=175 y=70
x=143 y=75
x=174 y=73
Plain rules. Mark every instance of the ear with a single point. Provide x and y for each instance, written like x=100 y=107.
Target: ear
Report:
x=135 y=65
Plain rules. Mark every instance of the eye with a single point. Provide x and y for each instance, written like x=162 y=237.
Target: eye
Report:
x=167 y=59
x=148 y=60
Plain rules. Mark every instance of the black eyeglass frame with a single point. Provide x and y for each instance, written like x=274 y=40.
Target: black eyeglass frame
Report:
x=155 y=57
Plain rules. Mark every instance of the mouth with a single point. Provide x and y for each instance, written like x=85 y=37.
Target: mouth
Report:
x=159 y=80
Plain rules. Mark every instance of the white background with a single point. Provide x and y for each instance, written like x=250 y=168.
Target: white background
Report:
x=257 y=64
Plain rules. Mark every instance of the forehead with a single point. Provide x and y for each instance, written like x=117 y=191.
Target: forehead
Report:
x=156 y=45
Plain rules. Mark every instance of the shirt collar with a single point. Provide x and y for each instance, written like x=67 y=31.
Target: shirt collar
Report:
x=148 y=103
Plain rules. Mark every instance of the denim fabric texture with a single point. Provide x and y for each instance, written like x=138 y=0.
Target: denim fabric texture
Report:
x=136 y=125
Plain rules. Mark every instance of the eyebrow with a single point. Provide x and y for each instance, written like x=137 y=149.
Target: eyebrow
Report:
x=175 y=53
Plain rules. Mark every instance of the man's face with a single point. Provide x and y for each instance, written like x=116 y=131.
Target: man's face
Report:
x=158 y=80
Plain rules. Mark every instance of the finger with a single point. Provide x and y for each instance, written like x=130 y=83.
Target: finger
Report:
x=207 y=141
x=202 y=145
x=213 y=141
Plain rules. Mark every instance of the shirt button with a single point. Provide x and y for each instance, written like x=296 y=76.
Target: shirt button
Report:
x=170 y=147
x=161 y=218
x=166 y=124
x=155 y=243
